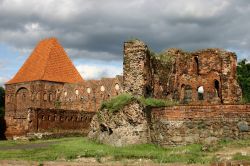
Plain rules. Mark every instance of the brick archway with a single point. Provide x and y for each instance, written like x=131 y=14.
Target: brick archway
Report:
x=22 y=100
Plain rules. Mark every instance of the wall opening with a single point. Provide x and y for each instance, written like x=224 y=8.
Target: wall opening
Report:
x=117 y=87
x=45 y=97
x=148 y=91
x=196 y=65
x=200 y=91
x=50 y=97
x=102 y=88
x=217 y=88
x=187 y=94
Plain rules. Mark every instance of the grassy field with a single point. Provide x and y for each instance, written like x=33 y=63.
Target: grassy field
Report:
x=78 y=147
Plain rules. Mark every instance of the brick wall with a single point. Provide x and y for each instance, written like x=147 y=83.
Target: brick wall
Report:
x=41 y=120
x=53 y=120
x=199 y=124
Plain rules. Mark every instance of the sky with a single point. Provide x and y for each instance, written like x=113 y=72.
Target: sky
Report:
x=93 y=31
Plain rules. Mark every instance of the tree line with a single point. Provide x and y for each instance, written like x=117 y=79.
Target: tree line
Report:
x=243 y=74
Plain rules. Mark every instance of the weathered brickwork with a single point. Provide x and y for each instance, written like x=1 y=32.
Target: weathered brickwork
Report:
x=47 y=86
x=136 y=69
x=42 y=97
x=51 y=95
x=200 y=77
x=199 y=124
x=124 y=127
x=52 y=120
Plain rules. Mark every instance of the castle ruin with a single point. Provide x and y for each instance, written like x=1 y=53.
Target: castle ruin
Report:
x=48 y=94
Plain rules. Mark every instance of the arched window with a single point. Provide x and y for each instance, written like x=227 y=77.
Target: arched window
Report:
x=102 y=88
x=88 y=90
x=117 y=87
x=37 y=96
x=200 y=93
x=50 y=97
x=77 y=91
x=45 y=97
x=65 y=93
x=217 y=88
x=196 y=65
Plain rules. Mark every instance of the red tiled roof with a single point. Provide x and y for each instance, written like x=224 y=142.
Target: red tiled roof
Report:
x=48 y=62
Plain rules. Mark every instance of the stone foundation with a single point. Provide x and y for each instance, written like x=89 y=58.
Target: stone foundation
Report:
x=207 y=124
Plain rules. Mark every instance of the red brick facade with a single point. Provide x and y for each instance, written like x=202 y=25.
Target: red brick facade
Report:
x=48 y=81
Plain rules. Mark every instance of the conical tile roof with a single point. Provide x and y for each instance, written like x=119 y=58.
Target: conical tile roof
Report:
x=48 y=62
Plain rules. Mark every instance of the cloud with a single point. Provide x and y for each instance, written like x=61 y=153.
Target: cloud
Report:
x=98 y=71
x=96 y=30
x=3 y=80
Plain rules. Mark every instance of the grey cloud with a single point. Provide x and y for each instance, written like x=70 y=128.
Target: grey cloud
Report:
x=96 y=28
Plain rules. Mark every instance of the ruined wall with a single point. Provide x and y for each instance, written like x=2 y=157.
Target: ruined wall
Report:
x=52 y=95
x=124 y=127
x=55 y=120
x=199 y=124
x=213 y=70
x=52 y=120
x=137 y=76
x=202 y=77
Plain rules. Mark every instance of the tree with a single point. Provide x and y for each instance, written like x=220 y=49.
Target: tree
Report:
x=2 y=97
x=243 y=73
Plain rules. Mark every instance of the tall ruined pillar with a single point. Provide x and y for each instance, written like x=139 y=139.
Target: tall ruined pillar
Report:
x=231 y=91
x=137 y=77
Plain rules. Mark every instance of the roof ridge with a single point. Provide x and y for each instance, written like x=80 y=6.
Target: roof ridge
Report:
x=47 y=61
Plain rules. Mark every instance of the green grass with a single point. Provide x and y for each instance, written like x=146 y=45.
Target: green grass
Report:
x=71 y=148
x=118 y=102
x=153 y=102
x=75 y=147
x=240 y=157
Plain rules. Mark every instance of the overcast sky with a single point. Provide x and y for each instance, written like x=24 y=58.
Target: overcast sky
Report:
x=93 y=31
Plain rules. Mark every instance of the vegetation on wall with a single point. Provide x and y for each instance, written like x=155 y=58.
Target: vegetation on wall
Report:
x=2 y=97
x=164 y=57
x=243 y=73
x=118 y=102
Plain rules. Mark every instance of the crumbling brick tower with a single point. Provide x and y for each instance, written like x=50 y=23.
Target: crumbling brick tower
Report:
x=137 y=69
